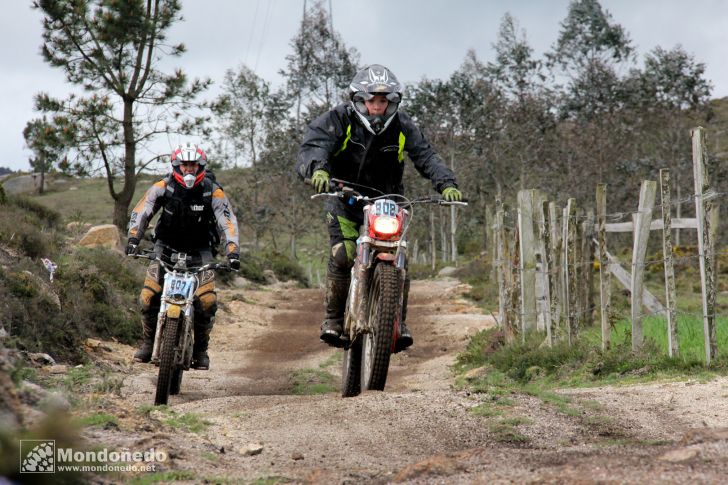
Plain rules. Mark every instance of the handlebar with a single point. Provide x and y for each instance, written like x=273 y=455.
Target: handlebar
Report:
x=348 y=192
x=152 y=256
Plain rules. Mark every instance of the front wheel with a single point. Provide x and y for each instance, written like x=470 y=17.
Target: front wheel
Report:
x=351 y=370
x=167 y=361
x=377 y=345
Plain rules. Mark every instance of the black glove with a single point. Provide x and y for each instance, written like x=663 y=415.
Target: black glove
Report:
x=234 y=261
x=132 y=246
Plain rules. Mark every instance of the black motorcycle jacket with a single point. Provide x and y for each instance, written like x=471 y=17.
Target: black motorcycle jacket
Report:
x=189 y=218
x=338 y=143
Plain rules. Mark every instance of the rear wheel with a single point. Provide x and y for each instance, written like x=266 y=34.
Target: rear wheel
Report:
x=378 y=344
x=166 y=361
x=351 y=370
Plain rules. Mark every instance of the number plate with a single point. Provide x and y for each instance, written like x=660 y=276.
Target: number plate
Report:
x=179 y=286
x=386 y=207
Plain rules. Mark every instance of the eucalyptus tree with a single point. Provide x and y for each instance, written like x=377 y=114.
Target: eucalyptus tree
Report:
x=526 y=125
x=671 y=95
x=320 y=66
x=590 y=54
x=112 y=51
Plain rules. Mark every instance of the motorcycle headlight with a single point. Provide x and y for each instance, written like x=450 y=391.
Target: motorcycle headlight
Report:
x=386 y=226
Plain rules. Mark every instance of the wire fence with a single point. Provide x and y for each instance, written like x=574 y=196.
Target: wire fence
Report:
x=545 y=265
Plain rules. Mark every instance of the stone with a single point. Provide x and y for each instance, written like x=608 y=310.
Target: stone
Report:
x=40 y=358
x=680 y=455
x=474 y=374
x=251 y=449
x=105 y=235
x=296 y=456
x=22 y=184
x=447 y=271
x=58 y=369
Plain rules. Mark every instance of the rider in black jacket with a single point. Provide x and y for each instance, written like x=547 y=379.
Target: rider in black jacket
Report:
x=363 y=141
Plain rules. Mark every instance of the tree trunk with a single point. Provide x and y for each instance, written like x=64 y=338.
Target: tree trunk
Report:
x=122 y=200
x=41 y=187
x=433 y=240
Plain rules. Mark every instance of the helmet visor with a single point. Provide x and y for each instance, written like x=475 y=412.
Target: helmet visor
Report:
x=364 y=96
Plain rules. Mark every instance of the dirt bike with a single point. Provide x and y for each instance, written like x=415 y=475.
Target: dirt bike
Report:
x=174 y=336
x=376 y=293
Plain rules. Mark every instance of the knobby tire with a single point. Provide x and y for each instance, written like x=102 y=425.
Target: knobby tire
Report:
x=383 y=308
x=351 y=370
x=166 y=361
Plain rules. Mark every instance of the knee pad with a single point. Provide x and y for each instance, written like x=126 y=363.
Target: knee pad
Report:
x=150 y=296
x=206 y=299
x=343 y=254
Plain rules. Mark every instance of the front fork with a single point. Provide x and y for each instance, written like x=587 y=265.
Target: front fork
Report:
x=175 y=311
x=357 y=304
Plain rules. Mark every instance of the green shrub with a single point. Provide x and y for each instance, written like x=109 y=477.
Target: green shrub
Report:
x=45 y=214
x=284 y=267
x=32 y=318
x=253 y=265
x=100 y=288
x=31 y=231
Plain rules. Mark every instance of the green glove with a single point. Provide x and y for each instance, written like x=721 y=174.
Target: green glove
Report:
x=320 y=181
x=451 y=194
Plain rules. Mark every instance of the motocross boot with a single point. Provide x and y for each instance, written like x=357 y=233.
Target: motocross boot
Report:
x=337 y=288
x=405 y=336
x=200 y=359
x=149 y=323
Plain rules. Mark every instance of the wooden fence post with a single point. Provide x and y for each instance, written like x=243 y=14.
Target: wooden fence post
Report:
x=500 y=260
x=547 y=267
x=433 y=240
x=555 y=283
x=703 y=206
x=514 y=304
x=527 y=260
x=570 y=261
x=672 y=343
x=642 y=220
x=604 y=278
x=586 y=257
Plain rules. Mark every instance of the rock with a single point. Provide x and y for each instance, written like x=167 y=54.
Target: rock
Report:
x=22 y=184
x=54 y=401
x=679 y=455
x=447 y=271
x=251 y=449
x=270 y=277
x=3 y=333
x=106 y=235
x=31 y=393
x=10 y=408
x=297 y=456
x=39 y=358
x=58 y=369
x=474 y=374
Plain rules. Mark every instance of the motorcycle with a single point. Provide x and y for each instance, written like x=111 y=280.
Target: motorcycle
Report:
x=376 y=294
x=174 y=335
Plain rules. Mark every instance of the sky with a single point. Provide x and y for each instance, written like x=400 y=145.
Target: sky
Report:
x=416 y=39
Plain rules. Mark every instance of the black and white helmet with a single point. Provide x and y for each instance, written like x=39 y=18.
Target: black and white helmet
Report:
x=372 y=80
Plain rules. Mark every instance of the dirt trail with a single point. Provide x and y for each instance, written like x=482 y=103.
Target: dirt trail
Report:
x=265 y=345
